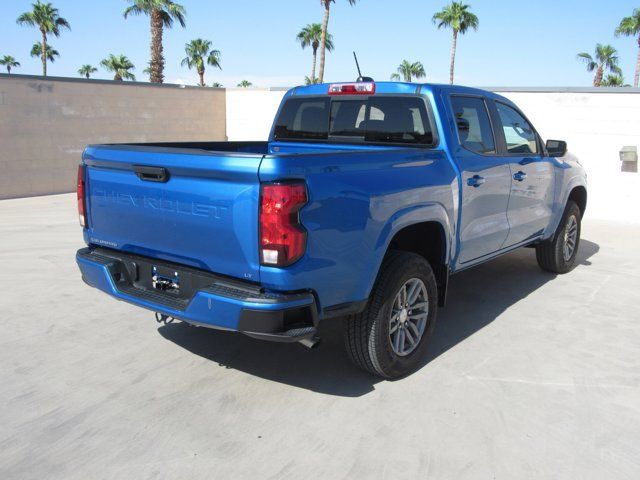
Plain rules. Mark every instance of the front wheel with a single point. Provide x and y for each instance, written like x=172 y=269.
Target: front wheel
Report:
x=558 y=255
x=389 y=338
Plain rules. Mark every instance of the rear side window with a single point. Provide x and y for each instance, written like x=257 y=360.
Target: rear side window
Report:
x=518 y=133
x=399 y=120
x=473 y=125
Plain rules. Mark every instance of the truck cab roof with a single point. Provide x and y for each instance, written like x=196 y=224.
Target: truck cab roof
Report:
x=399 y=88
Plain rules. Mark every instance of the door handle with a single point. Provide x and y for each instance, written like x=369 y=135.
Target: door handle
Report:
x=475 y=181
x=520 y=176
x=527 y=161
x=151 y=174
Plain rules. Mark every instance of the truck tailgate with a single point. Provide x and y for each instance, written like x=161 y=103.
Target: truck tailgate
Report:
x=205 y=215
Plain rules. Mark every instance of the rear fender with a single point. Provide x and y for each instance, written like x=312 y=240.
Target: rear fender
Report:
x=433 y=212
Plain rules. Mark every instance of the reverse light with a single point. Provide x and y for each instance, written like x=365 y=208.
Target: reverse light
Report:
x=362 y=88
x=82 y=209
x=282 y=237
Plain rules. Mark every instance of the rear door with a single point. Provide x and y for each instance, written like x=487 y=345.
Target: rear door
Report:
x=486 y=180
x=190 y=207
x=532 y=182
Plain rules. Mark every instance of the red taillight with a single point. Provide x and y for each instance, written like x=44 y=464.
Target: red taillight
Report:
x=81 y=203
x=282 y=237
x=361 y=88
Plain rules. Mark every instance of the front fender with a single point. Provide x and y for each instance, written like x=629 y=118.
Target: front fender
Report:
x=568 y=179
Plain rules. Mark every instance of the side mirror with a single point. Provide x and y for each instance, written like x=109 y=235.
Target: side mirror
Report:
x=556 y=148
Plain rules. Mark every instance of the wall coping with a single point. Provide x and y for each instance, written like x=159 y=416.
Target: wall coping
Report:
x=127 y=83
x=15 y=76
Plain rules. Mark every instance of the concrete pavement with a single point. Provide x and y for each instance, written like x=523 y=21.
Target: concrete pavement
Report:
x=529 y=376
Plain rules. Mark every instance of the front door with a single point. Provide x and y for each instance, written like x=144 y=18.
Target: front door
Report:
x=486 y=181
x=532 y=182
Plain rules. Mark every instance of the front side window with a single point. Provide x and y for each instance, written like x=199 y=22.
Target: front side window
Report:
x=473 y=124
x=518 y=133
x=370 y=119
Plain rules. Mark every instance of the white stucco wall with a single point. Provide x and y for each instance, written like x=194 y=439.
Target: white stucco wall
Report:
x=251 y=112
x=595 y=124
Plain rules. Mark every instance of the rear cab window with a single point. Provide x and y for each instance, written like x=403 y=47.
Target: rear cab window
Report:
x=372 y=119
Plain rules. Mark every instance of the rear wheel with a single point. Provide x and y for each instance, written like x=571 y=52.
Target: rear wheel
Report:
x=389 y=338
x=558 y=255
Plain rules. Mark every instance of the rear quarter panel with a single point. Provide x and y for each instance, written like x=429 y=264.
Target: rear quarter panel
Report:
x=357 y=201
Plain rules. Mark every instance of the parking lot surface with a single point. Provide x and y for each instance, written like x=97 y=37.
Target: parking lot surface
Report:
x=529 y=376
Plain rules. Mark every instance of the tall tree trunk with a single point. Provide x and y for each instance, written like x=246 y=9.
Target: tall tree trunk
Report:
x=323 y=39
x=87 y=75
x=315 y=59
x=117 y=77
x=157 y=58
x=201 y=73
x=8 y=69
x=636 y=78
x=44 y=53
x=597 y=80
x=454 y=45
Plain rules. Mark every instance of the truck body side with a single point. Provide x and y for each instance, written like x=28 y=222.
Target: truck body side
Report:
x=197 y=224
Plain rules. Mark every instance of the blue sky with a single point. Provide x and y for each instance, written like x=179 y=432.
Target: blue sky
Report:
x=518 y=43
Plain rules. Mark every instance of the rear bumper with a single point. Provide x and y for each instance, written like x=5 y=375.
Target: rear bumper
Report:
x=218 y=302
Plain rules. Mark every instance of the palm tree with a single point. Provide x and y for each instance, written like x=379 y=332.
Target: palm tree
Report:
x=457 y=17
x=120 y=65
x=162 y=14
x=409 y=70
x=50 y=53
x=245 y=84
x=310 y=36
x=606 y=58
x=323 y=38
x=46 y=18
x=217 y=85
x=630 y=27
x=197 y=51
x=613 y=80
x=87 y=70
x=9 y=62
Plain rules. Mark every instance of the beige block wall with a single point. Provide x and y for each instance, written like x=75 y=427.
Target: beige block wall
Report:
x=46 y=123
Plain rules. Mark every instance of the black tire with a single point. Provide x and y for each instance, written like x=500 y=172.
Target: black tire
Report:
x=551 y=253
x=367 y=334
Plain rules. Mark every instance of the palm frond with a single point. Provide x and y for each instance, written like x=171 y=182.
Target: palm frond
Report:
x=456 y=16
x=629 y=26
x=45 y=17
x=26 y=19
x=132 y=10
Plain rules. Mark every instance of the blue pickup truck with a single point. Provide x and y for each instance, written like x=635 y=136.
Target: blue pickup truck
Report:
x=366 y=198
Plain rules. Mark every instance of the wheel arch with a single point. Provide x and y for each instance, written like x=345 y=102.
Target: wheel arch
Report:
x=429 y=239
x=579 y=195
